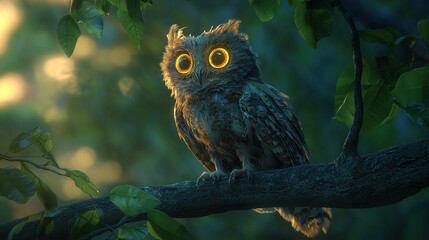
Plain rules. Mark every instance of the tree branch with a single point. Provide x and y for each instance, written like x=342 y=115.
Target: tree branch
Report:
x=378 y=179
x=352 y=140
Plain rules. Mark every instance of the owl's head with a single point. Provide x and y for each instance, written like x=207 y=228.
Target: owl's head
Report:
x=219 y=56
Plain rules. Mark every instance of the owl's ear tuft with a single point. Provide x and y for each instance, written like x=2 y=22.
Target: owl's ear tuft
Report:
x=175 y=34
x=230 y=27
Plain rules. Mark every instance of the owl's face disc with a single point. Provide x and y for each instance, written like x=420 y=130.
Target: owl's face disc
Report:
x=218 y=56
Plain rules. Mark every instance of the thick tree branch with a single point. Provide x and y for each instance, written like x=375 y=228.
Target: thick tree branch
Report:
x=352 y=140
x=378 y=179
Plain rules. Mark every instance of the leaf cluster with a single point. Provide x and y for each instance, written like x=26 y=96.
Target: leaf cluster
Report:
x=89 y=17
x=21 y=183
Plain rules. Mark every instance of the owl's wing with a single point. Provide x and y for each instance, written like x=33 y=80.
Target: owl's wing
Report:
x=270 y=115
x=197 y=148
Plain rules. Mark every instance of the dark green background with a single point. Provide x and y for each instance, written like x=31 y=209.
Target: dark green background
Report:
x=136 y=129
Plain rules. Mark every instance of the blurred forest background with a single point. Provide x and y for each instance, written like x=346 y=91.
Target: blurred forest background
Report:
x=110 y=115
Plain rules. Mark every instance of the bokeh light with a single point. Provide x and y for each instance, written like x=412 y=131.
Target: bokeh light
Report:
x=84 y=158
x=10 y=18
x=12 y=88
x=59 y=68
x=86 y=47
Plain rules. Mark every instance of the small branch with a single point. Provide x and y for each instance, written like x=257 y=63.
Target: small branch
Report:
x=31 y=162
x=378 y=179
x=352 y=140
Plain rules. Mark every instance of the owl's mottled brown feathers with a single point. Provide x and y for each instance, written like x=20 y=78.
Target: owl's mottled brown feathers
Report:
x=233 y=121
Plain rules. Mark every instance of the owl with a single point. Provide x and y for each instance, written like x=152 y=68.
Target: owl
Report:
x=234 y=122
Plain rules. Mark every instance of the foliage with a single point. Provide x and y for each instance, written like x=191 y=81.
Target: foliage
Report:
x=313 y=19
x=265 y=9
x=162 y=226
x=387 y=82
x=133 y=201
x=129 y=13
x=19 y=184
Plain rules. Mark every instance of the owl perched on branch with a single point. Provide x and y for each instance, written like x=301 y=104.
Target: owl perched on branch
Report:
x=234 y=122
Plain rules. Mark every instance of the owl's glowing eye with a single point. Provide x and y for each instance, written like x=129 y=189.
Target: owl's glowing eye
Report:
x=219 y=58
x=184 y=63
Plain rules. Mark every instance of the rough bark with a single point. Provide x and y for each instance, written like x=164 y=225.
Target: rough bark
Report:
x=378 y=179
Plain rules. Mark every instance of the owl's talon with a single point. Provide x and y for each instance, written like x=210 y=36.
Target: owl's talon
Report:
x=213 y=177
x=216 y=176
x=205 y=176
x=236 y=173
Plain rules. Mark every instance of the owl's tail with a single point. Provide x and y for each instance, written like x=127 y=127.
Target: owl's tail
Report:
x=308 y=221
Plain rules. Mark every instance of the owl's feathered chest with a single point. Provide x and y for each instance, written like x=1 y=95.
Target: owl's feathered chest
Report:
x=213 y=115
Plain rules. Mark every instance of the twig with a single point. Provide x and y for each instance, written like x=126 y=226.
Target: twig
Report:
x=351 y=142
x=40 y=166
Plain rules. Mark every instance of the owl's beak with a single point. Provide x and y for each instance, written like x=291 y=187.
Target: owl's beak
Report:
x=201 y=76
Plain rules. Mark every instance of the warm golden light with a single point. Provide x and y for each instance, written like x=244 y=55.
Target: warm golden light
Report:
x=10 y=18
x=59 y=2
x=83 y=159
x=12 y=88
x=107 y=172
x=59 y=68
x=86 y=47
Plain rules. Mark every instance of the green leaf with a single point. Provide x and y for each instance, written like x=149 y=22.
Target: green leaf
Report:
x=390 y=69
x=265 y=9
x=90 y=17
x=67 y=33
x=377 y=105
x=44 y=192
x=103 y=6
x=412 y=90
x=132 y=21
x=16 y=184
x=384 y=36
x=25 y=140
x=82 y=181
x=45 y=228
x=313 y=19
x=145 y=3
x=378 y=79
x=45 y=145
x=162 y=226
x=419 y=112
x=86 y=223
x=132 y=200
x=131 y=231
x=423 y=28
x=121 y=4
x=413 y=86
x=344 y=101
x=46 y=224
x=393 y=111
x=18 y=227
